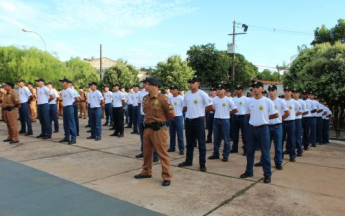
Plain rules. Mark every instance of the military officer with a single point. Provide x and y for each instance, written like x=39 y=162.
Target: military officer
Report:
x=83 y=105
x=158 y=110
x=298 y=122
x=96 y=101
x=10 y=105
x=108 y=107
x=118 y=105
x=33 y=103
x=25 y=96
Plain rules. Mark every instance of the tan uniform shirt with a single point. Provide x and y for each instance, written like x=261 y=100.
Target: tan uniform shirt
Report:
x=157 y=108
x=11 y=99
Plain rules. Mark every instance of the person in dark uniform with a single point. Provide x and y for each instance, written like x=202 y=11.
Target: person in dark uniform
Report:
x=10 y=105
x=75 y=105
x=210 y=118
x=25 y=97
x=158 y=110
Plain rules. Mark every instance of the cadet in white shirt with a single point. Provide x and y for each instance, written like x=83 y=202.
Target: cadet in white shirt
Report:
x=195 y=103
x=69 y=125
x=96 y=101
x=318 y=115
x=224 y=107
x=53 y=107
x=136 y=109
x=167 y=92
x=176 y=124
x=25 y=97
x=44 y=96
x=259 y=110
x=327 y=114
x=130 y=107
x=123 y=90
x=298 y=122
x=210 y=117
x=118 y=105
x=75 y=105
x=108 y=107
x=310 y=129
x=239 y=120
x=313 y=119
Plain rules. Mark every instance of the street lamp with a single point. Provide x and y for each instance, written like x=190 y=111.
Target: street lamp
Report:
x=45 y=47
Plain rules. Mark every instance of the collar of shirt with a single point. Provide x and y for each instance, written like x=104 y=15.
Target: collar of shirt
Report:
x=154 y=95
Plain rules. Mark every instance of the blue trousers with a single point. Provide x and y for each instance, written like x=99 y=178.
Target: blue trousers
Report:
x=95 y=122
x=176 y=129
x=126 y=113
x=53 y=116
x=76 y=117
x=69 y=123
x=313 y=131
x=221 y=129
x=289 y=130
x=239 y=122
x=44 y=118
x=325 y=131
x=130 y=115
x=195 y=131
x=108 y=108
x=319 y=129
x=298 y=123
x=306 y=132
x=88 y=113
x=24 y=117
x=260 y=135
x=135 y=112
x=209 y=125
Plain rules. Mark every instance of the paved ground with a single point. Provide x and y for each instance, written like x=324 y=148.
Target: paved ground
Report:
x=314 y=185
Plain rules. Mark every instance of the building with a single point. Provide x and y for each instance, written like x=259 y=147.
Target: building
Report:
x=106 y=63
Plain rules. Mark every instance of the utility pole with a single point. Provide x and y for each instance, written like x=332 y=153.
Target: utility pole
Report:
x=100 y=63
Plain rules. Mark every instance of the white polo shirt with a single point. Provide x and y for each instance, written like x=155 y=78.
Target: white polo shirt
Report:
x=108 y=97
x=222 y=107
x=328 y=112
x=260 y=111
x=135 y=98
x=129 y=98
x=68 y=97
x=177 y=103
x=24 y=94
x=319 y=107
x=196 y=103
x=56 y=95
x=43 y=94
x=168 y=95
x=125 y=95
x=117 y=98
x=240 y=102
x=142 y=94
x=280 y=106
x=293 y=107
x=95 y=98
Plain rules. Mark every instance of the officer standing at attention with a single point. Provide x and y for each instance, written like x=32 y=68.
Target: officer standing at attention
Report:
x=96 y=101
x=135 y=109
x=83 y=105
x=158 y=110
x=176 y=124
x=2 y=96
x=239 y=120
x=75 y=105
x=224 y=107
x=44 y=96
x=327 y=114
x=259 y=110
x=33 y=103
x=313 y=111
x=130 y=107
x=69 y=98
x=108 y=107
x=25 y=96
x=298 y=121
x=210 y=117
x=118 y=104
x=195 y=103
x=10 y=105
x=318 y=117
x=53 y=107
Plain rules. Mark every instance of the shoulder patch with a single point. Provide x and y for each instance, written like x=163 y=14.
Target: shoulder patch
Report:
x=171 y=107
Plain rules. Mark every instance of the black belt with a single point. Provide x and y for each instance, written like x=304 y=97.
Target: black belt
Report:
x=218 y=119
x=260 y=126
x=68 y=106
x=288 y=121
x=155 y=125
x=194 y=119
x=240 y=116
x=95 y=107
x=275 y=125
x=9 y=108
x=81 y=101
x=41 y=104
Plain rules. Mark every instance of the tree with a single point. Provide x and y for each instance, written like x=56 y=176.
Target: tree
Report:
x=173 y=71
x=81 y=72
x=323 y=34
x=121 y=73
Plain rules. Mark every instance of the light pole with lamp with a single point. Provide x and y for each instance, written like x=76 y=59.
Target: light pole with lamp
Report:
x=45 y=47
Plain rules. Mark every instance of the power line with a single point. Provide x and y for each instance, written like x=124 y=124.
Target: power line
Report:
x=275 y=30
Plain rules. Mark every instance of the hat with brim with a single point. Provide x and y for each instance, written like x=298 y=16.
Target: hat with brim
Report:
x=257 y=84
x=10 y=84
x=40 y=80
x=153 y=81
x=193 y=80
x=272 y=87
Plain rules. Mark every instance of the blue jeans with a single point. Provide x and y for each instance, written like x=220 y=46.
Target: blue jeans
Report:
x=176 y=128
x=209 y=125
x=135 y=118
x=221 y=128
x=88 y=113
x=319 y=129
x=130 y=115
x=325 y=131
x=44 y=118
x=126 y=113
x=313 y=130
x=289 y=129
x=298 y=123
x=276 y=134
x=95 y=122
x=69 y=123
x=53 y=116
x=76 y=117
x=306 y=130
x=260 y=135
x=195 y=130
x=24 y=117
x=239 y=122
x=108 y=108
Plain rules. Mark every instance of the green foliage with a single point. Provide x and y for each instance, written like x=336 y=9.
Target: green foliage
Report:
x=213 y=66
x=81 y=72
x=323 y=34
x=174 y=71
x=268 y=75
x=122 y=73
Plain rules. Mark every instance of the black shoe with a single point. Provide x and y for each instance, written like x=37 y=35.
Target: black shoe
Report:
x=105 y=124
x=140 y=176
x=203 y=169
x=257 y=149
x=89 y=131
x=184 y=164
x=292 y=160
x=233 y=151
x=181 y=152
x=306 y=148
x=299 y=155
x=87 y=126
x=77 y=134
x=286 y=152
x=155 y=159
x=313 y=146
x=112 y=128
x=98 y=139
x=72 y=142
x=166 y=183
x=139 y=155
x=39 y=136
x=244 y=154
x=114 y=134
x=134 y=132
x=22 y=132
x=46 y=137
x=120 y=136
x=170 y=150
x=208 y=141
x=90 y=137
x=225 y=159
x=128 y=127
x=7 y=140
x=246 y=175
x=63 y=140
x=56 y=131
x=267 y=179
x=279 y=167
x=28 y=134
x=213 y=157
x=14 y=142
x=259 y=164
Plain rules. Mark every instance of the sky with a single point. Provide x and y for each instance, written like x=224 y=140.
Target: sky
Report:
x=145 y=32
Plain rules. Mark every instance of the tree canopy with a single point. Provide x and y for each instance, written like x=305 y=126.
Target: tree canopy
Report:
x=121 y=73
x=323 y=34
